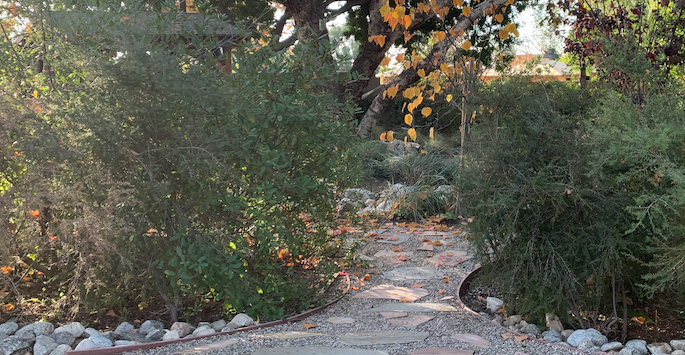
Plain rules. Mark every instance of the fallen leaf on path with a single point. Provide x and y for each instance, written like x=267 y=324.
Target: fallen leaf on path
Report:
x=355 y=287
x=507 y=336
x=392 y=239
x=405 y=300
x=397 y=249
x=367 y=277
x=417 y=286
x=520 y=338
x=309 y=326
x=446 y=280
x=440 y=292
x=403 y=257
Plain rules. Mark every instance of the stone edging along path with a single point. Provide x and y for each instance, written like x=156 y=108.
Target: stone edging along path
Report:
x=157 y=344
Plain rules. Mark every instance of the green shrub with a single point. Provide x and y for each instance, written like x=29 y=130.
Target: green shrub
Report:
x=153 y=167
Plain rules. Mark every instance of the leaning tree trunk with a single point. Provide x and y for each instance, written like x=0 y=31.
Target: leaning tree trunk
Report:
x=409 y=76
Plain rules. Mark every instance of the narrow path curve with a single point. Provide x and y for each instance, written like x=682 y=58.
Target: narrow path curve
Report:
x=402 y=303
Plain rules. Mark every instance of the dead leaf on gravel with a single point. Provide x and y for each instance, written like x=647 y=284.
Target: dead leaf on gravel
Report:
x=417 y=286
x=397 y=249
x=520 y=338
x=367 y=277
x=309 y=326
x=440 y=292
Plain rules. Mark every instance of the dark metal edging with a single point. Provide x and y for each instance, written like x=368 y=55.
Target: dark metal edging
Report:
x=115 y=350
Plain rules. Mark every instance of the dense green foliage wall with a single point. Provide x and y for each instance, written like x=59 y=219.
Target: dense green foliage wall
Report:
x=133 y=168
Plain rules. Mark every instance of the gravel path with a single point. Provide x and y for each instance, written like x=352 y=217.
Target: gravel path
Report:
x=439 y=329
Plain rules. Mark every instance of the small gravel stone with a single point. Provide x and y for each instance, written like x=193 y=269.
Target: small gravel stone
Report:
x=63 y=338
x=494 y=304
x=614 y=345
x=61 y=349
x=150 y=325
x=637 y=344
x=124 y=328
x=44 y=345
x=677 y=344
x=9 y=327
x=218 y=325
x=14 y=345
x=76 y=329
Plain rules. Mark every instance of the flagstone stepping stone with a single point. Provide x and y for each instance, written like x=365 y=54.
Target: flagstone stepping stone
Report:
x=208 y=347
x=392 y=292
x=316 y=351
x=376 y=232
x=391 y=315
x=392 y=254
x=412 y=273
x=472 y=339
x=450 y=257
x=340 y=320
x=431 y=233
x=441 y=351
x=410 y=322
x=425 y=247
x=291 y=335
x=366 y=257
x=382 y=337
x=413 y=307
x=395 y=239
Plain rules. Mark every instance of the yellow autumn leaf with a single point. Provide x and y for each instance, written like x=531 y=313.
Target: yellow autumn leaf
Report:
x=440 y=36
x=458 y=3
x=499 y=18
x=379 y=39
x=421 y=73
x=515 y=32
x=385 y=9
x=383 y=136
x=406 y=21
x=448 y=97
x=392 y=91
x=405 y=140
x=309 y=326
x=503 y=34
x=412 y=134
x=385 y=62
x=466 y=45
x=466 y=11
x=426 y=111
x=389 y=136
x=400 y=58
x=408 y=119
x=407 y=65
x=431 y=133
x=417 y=101
x=35 y=93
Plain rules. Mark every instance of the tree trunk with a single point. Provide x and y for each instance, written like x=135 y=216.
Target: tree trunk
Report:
x=409 y=76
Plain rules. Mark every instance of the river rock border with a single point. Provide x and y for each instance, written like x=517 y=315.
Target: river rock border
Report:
x=586 y=339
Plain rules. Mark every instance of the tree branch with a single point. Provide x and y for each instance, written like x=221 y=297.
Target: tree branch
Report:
x=285 y=43
x=278 y=30
x=428 y=64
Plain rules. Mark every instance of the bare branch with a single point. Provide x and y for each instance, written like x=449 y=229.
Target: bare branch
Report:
x=345 y=8
x=285 y=43
x=278 y=30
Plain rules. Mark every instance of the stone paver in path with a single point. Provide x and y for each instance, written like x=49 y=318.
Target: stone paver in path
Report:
x=340 y=320
x=292 y=335
x=316 y=351
x=441 y=351
x=208 y=347
x=392 y=254
x=413 y=307
x=410 y=322
x=425 y=247
x=450 y=257
x=391 y=292
x=412 y=273
x=394 y=239
x=382 y=337
x=472 y=339
x=391 y=315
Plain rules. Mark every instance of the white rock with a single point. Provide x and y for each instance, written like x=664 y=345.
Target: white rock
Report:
x=203 y=330
x=494 y=304
x=61 y=349
x=171 y=335
x=124 y=328
x=150 y=325
x=659 y=348
x=614 y=345
x=91 y=332
x=630 y=351
x=44 y=345
x=124 y=342
x=566 y=333
x=9 y=327
x=182 y=328
x=678 y=352
x=579 y=335
x=677 y=344
x=94 y=342
x=13 y=345
x=75 y=328
x=218 y=325
x=35 y=329
x=637 y=344
x=241 y=320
